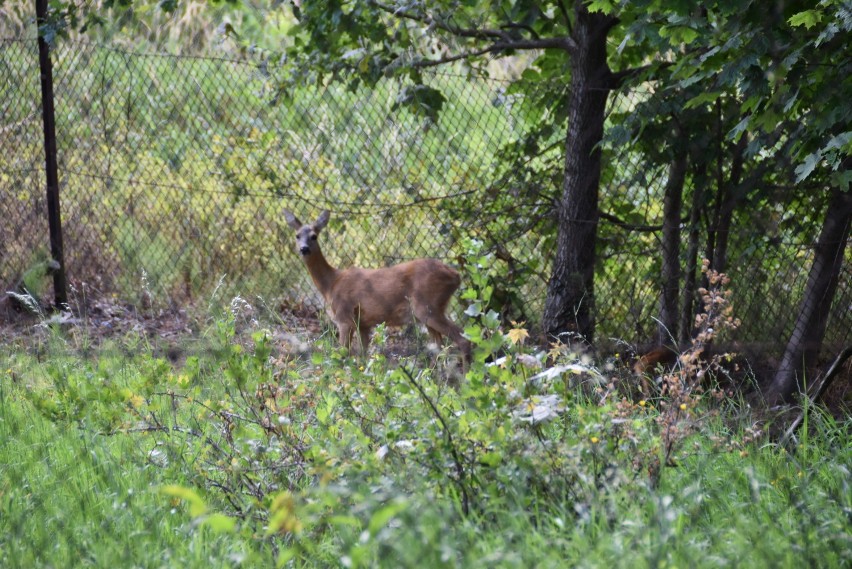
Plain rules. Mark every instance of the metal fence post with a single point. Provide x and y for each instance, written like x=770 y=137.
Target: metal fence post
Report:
x=51 y=168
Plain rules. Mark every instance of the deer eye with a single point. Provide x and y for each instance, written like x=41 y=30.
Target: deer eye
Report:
x=313 y=237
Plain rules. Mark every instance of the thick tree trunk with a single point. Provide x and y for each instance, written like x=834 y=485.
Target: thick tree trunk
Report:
x=806 y=339
x=667 y=333
x=570 y=302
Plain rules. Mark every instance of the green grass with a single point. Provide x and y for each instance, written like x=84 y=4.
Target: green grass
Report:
x=245 y=453
x=71 y=498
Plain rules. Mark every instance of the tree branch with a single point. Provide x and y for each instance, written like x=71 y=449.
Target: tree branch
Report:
x=545 y=43
x=620 y=76
x=630 y=226
x=431 y=21
x=826 y=381
x=513 y=25
x=502 y=39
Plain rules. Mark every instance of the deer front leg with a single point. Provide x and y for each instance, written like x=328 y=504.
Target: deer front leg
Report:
x=365 y=339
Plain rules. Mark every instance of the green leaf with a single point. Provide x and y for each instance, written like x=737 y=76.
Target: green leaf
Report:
x=491 y=320
x=701 y=99
x=678 y=35
x=842 y=179
x=473 y=310
x=351 y=521
x=421 y=100
x=804 y=169
x=840 y=142
x=808 y=18
x=604 y=6
x=168 y=6
x=741 y=127
x=491 y=459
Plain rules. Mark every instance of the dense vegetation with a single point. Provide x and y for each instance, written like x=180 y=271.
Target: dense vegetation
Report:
x=248 y=453
x=249 y=448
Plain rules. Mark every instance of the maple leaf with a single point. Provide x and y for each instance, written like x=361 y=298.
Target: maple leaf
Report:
x=518 y=335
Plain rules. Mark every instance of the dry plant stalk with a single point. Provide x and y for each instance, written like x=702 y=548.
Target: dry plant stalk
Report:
x=684 y=385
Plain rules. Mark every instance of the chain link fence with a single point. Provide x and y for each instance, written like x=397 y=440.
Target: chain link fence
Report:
x=174 y=172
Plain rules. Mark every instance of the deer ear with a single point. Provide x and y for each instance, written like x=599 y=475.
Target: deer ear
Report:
x=322 y=220
x=292 y=220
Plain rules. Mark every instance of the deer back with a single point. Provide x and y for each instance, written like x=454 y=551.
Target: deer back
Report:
x=390 y=294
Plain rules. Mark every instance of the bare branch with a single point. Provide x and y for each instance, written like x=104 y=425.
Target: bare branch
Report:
x=423 y=63
x=461 y=475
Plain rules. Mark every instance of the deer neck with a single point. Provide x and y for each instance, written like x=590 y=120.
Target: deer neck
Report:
x=321 y=272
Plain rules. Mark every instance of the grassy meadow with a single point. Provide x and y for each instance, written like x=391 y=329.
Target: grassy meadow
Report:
x=259 y=445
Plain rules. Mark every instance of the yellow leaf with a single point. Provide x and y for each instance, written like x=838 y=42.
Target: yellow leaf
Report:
x=197 y=507
x=518 y=335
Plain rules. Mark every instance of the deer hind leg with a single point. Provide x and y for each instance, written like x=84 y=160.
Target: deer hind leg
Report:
x=435 y=336
x=439 y=325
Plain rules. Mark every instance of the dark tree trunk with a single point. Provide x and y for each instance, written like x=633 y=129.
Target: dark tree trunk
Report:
x=729 y=195
x=667 y=333
x=805 y=341
x=691 y=273
x=570 y=302
x=714 y=212
x=51 y=168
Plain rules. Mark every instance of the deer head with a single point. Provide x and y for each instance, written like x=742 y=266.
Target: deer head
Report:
x=306 y=235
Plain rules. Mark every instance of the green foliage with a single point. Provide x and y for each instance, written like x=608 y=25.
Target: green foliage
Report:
x=421 y=100
x=788 y=71
x=247 y=453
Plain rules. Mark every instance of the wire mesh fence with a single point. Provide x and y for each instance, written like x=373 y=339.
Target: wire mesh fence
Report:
x=174 y=172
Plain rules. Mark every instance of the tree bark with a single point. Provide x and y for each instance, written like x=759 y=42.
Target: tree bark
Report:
x=569 y=306
x=667 y=333
x=728 y=197
x=691 y=273
x=51 y=168
x=806 y=340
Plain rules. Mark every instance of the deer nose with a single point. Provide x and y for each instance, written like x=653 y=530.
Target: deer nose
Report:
x=304 y=250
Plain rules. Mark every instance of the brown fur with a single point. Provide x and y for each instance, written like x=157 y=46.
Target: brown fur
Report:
x=647 y=363
x=661 y=355
x=360 y=299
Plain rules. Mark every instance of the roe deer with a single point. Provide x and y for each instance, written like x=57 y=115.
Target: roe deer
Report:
x=649 y=362
x=363 y=298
